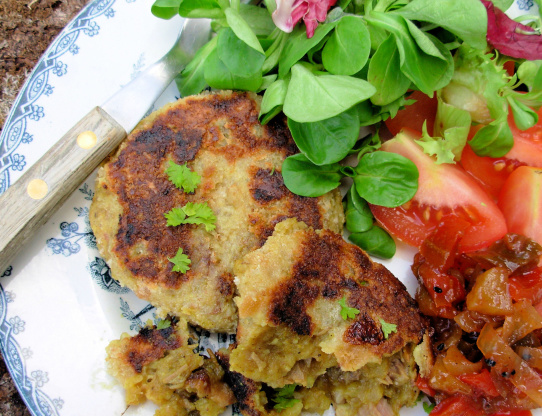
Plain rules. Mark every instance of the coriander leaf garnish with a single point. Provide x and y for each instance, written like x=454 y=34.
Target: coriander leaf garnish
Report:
x=182 y=177
x=428 y=407
x=163 y=324
x=284 y=398
x=192 y=213
x=175 y=217
x=180 y=262
x=387 y=328
x=346 y=311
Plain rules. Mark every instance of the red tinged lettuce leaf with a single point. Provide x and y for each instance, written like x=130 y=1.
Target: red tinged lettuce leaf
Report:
x=510 y=37
x=289 y=12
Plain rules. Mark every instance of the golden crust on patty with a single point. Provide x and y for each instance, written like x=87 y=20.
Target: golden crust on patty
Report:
x=290 y=326
x=160 y=365
x=239 y=160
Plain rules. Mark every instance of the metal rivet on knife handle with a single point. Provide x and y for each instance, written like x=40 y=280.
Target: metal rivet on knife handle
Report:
x=37 y=189
x=87 y=139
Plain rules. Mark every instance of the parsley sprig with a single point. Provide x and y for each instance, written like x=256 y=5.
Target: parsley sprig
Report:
x=182 y=177
x=192 y=213
x=163 y=324
x=180 y=262
x=346 y=311
x=284 y=398
x=387 y=328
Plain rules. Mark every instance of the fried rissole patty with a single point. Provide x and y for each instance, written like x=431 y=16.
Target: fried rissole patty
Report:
x=160 y=365
x=290 y=326
x=375 y=389
x=239 y=161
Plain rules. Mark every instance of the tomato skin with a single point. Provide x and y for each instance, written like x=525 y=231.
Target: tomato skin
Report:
x=446 y=194
x=493 y=172
x=413 y=116
x=514 y=413
x=520 y=201
x=527 y=286
x=424 y=386
x=456 y=406
x=482 y=382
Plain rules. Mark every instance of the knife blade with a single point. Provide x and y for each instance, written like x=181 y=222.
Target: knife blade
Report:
x=35 y=196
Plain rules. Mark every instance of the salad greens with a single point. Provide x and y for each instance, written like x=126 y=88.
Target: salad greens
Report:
x=354 y=65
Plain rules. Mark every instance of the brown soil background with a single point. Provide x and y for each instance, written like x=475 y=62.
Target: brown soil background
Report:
x=27 y=27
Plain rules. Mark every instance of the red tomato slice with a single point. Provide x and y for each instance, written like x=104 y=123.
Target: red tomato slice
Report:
x=414 y=115
x=493 y=172
x=527 y=286
x=446 y=194
x=521 y=202
x=456 y=406
x=514 y=413
x=482 y=382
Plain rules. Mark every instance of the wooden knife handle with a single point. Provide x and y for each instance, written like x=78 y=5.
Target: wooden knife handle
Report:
x=33 y=198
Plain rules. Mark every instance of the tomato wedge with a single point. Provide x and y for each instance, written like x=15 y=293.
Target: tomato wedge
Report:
x=493 y=172
x=446 y=194
x=456 y=406
x=414 y=115
x=521 y=202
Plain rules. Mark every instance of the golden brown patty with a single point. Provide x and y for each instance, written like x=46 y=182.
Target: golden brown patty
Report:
x=290 y=326
x=239 y=162
x=160 y=365
x=375 y=389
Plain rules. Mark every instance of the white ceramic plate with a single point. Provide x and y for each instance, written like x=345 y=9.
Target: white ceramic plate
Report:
x=59 y=306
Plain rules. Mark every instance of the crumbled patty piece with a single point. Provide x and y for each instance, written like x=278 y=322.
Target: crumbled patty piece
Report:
x=375 y=389
x=239 y=161
x=161 y=366
x=290 y=326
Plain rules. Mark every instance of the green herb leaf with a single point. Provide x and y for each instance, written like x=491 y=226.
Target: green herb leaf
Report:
x=493 y=140
x=298 y=45
x=175 y=217
x=385 y=73
x=272 y=100
x=240 y=58
x=304 y=178
x=182 y=177
x=338 y=56
x=163 y=324
x=428 y=407
x=258 y=18
x=427 y=71
x=524 y=116
x=284 y=398
x=464 y=18
x=346 y=311
x=218 y=75
x=327 y=141
x=180 y=262
x=165 y=9
x=376 y=241
x=359 y=217
x=386 y=179
x=387 y=328
x=192 y=213
x=318 y=97
x=242 y=31
x=191 y=81
x=210 y=9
